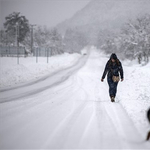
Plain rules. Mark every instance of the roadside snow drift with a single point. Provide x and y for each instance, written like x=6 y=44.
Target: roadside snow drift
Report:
x=28 y=70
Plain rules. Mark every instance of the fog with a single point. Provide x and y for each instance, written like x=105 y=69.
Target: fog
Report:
x=41 y=12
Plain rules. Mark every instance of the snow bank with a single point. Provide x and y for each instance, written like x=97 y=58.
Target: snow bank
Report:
x=134 y=94
x=12 y=74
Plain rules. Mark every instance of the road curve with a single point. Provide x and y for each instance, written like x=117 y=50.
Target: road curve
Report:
x=44 y=83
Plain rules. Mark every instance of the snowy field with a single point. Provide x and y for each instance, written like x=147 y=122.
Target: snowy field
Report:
x=28 y=70
x=65 y=105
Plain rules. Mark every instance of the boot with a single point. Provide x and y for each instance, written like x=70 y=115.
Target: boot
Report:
x=112 y=99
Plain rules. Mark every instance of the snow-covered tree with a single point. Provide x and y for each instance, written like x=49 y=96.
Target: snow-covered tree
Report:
x=48 y=38
x=136 y=38
x=2 y=37
x=132 y=42
x=15 y=23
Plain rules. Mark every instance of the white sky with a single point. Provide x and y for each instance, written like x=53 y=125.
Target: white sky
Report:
x=41 y=12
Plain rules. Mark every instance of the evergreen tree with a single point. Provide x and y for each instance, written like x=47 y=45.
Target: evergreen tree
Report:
x=15 y=23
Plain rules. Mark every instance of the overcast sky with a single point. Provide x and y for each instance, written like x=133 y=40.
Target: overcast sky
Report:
x=42 y=12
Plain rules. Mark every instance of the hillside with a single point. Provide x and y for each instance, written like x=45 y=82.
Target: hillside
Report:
x=105 y=15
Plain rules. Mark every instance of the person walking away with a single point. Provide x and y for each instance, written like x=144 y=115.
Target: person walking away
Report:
x=148 y=116
x=114 y=71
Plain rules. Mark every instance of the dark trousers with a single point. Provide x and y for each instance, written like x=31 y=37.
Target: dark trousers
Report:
x=112 y=87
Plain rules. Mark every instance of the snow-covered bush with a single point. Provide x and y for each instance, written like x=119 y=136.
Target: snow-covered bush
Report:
x=133 y=41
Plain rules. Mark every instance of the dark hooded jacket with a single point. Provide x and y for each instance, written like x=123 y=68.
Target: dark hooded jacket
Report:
x=113 y=68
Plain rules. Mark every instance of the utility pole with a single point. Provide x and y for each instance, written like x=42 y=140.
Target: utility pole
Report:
x=17 y=41
x=32 y=37
x=6 y=43
x=1 y=41
x=1 y=36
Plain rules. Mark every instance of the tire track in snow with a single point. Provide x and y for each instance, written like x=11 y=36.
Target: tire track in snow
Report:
x=31 y=105
x=88 y=135
x=34 y=101
x=69 y=121
x=61 y=129
x=61 y=76
x=41 y=79
x=80 y=129
x=127 y=133
x=108 y=135
x=37 y=120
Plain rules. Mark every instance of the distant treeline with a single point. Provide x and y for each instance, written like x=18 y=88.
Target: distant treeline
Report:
x=132 y=42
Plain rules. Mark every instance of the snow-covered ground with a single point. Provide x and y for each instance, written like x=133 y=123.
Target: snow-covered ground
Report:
x=71 y=108
x=28 y=70
x=134 y=94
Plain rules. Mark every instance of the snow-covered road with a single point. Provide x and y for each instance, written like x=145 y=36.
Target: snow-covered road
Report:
x=42 y=84
x=69 y=109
